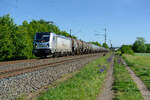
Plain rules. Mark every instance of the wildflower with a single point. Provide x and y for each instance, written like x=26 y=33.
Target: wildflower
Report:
x=109 y=59
x=104 y=66
x=101 y=70
x=99 y=65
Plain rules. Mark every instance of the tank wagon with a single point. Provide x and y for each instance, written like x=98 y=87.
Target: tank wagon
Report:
x=48 y=43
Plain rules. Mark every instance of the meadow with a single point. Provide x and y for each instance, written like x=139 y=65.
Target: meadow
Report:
x=140 y=64
x=142 y=54
x=124 y=87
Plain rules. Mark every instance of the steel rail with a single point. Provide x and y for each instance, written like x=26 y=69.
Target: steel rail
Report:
x=17 y=71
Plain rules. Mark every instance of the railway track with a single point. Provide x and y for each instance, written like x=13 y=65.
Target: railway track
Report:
x=26 y=61
x=16 y=61
x=20 y=70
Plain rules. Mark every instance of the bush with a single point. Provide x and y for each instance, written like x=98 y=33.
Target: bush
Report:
x=126 y=49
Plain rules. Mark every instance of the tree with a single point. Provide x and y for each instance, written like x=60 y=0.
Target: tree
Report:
x=96 y=43
x=105 y=45
x=126 y=49
x=25 y=23
x=148 y=48
x=139 y=45
x=45 y=26
x=25 y=46
x=7 y=37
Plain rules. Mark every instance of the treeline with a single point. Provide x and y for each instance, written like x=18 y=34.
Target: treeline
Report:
x=139 y=46
x=16 y=41
x=98 y=44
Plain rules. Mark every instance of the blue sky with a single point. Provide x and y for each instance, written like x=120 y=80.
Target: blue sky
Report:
x=124 y=19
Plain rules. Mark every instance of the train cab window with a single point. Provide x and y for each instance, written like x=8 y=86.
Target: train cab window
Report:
x=42 y=37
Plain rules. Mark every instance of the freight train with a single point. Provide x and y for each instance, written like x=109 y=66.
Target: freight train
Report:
x=48 y=43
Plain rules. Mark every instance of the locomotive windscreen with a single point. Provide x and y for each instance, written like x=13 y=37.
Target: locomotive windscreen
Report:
x=42 y=37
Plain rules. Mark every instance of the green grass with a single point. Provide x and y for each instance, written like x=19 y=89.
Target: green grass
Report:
x=142 y=54
x=124 y=87
x=141 y=66
x=85 y=85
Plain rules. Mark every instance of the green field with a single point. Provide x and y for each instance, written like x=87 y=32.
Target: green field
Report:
x=142 y=54
x=124 y=87
x=85 y=85
x=141 y=66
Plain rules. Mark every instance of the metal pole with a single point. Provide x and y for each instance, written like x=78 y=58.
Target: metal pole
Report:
x=105 y=35
x=110 y=44
x=70 y=32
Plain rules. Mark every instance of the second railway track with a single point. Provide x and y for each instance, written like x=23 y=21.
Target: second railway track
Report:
x=16 y=71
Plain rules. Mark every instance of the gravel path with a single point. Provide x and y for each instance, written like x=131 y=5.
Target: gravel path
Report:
x=141 y=86
x=106 y=92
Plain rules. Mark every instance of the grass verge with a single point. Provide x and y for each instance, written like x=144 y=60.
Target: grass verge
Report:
x=124 y=87
x=142 y=54
x=141 y=66
x=84 y=85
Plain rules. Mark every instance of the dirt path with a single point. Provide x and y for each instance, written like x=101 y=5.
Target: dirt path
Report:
x=141 y=86
x=106 y=92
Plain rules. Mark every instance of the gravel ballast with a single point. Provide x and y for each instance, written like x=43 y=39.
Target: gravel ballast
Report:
x=23 y=84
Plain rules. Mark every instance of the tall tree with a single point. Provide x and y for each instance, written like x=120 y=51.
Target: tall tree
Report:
x=7 y=37
x=139 y=45
x=105 y=45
